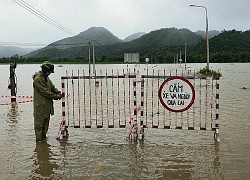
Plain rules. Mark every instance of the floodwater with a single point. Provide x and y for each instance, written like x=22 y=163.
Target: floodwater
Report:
x=105 y=154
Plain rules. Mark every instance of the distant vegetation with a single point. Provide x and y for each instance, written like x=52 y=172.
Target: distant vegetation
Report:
x=160 y=46
x=209 y=72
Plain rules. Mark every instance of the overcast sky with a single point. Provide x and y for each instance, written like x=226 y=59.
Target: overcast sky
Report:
x=121 y=17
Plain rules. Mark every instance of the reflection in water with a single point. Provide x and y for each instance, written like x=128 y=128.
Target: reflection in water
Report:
x=44 y=165
x=13 y=113
x=216 y=162
x=175 y=168
x=137 y=162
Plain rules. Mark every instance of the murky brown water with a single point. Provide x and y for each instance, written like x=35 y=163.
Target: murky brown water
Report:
x=104 y=154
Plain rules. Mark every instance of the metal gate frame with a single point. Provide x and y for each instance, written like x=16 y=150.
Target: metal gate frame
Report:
x=203 y=115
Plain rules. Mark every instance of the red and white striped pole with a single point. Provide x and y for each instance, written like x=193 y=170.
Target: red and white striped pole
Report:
x=63 y=131
x=141 y=127
x=216 y=133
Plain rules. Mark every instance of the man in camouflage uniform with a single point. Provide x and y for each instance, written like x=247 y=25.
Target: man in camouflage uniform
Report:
x=44 y=94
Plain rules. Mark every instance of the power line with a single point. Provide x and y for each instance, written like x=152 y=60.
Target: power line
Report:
x=43 y=16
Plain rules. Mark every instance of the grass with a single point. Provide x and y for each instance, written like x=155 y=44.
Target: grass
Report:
x=209 y=73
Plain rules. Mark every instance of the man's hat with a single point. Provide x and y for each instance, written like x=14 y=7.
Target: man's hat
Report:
x=47 y=66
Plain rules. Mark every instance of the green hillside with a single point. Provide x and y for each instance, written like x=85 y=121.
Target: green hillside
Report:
x=161 y=46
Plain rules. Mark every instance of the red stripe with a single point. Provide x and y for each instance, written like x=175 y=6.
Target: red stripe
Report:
x=134 y=84
x=122 y=126
x=87 y=126
x=202 y=128
x=154 y=126
x=217 y=116
x=132 y=76
x=216 y=78
x=63 y=85
x=178 y=127
x=217 y=86
x=142 y=103
x=190 y=128
x=110 y=126
x=217 y=106
x=63 y=104
x=76 y=126
x=141 y=113
x=63 y=113
x=217 y=96
x=99 y=126
x=166 y=127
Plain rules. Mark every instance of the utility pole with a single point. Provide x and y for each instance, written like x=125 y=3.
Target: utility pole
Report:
x=12 y=85
x=207 y=43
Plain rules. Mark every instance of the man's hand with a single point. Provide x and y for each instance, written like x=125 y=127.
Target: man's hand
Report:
x=58 y=96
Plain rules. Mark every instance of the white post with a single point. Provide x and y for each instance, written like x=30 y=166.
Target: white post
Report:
x=93 y=58
x=185 y=56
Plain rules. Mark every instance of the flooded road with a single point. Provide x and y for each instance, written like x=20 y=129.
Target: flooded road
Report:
x=105 y=154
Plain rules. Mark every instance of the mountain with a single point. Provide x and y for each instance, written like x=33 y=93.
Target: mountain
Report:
x=165 y=38
x=93 y=35
x=8 y=51
x=211 y=33
x=134 y=36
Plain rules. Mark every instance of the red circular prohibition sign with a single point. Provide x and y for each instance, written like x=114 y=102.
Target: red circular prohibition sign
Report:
x=192 y=92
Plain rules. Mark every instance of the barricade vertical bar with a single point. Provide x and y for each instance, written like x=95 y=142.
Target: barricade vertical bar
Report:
x=84 y=99
x=63 y=99
x=158 y=100
x=147 y=99
x=96 y=99
x=124 y=99
x=63 y=132
x=73 y=101
x=79 y=106
x=152 y=98
x=107 y=90
x=129 y=91
x=135 y=122
x=90 y=103
x=200 y=103
x=67 y=95
x=113 y=98
x=211 y=115
x=206 y=102
x=141 y=132
x=194 y=104
x=164 y=111
x=101 y=96
x=170 y=114
x=217 y=134
x=118 y=98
